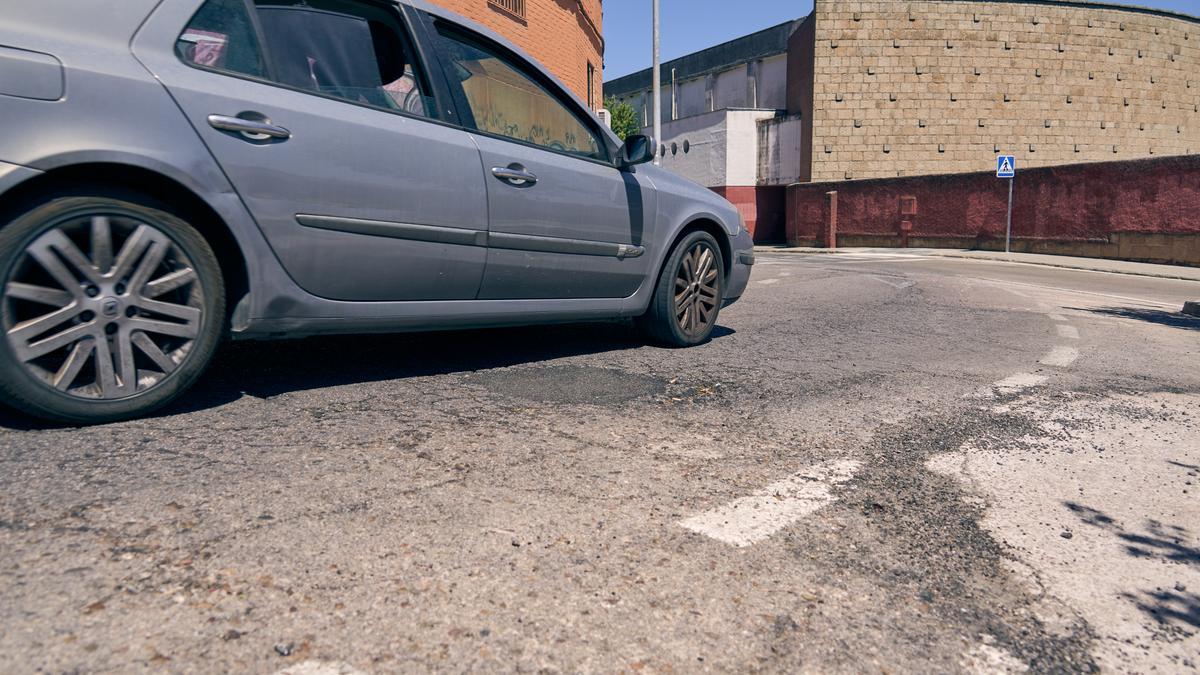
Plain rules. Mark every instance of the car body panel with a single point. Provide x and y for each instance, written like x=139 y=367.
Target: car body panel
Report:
x=12 y=175
x=32 y=75
x=144 y=127
x=345 y=161
x=575 y=199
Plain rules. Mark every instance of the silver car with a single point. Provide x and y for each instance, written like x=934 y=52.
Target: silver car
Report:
x=173 y=172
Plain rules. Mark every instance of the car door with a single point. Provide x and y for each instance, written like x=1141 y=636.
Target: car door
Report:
x=563 y=220
x=321 y=115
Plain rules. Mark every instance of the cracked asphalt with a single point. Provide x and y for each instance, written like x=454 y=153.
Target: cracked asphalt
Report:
x=1025 y=497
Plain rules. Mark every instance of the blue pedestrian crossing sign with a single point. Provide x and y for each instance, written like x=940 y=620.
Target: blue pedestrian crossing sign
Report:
x=1006 y=166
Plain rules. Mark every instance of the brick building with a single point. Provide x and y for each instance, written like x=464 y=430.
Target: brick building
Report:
x=564 y=35
x=888 y=88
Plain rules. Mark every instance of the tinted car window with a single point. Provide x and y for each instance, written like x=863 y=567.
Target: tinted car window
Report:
x=331 y=47
x=505 y=101
x=222 y=36
x=340 y=54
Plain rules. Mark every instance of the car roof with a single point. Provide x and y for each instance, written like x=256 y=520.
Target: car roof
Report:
x=492 y=35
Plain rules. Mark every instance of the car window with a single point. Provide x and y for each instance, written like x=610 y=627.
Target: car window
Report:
x=505 y=101
x=336 y=48
x=222 y=36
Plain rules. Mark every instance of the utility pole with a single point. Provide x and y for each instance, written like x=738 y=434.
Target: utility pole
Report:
x=657 y=83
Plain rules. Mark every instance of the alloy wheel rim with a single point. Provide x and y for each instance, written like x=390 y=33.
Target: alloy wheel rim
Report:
x=696 y=284
x=102 y=306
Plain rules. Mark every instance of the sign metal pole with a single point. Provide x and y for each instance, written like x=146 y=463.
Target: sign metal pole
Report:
x=1008 y=227
x=1006 y=167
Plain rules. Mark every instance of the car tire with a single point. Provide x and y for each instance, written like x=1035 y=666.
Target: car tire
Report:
x=110 y=308
x=687 y=300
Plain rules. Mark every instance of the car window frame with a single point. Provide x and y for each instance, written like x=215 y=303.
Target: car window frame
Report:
x=408 y=36
x=524 y=66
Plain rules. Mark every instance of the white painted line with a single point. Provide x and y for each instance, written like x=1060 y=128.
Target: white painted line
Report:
x=1068 y=332
x=1058 y=317
x=1060 y=357
x=890 y=282
x=873 y=261
x=1144 y=301
x=752 y=519
x=320 y=668
x=768 y=281
x=1019 y=382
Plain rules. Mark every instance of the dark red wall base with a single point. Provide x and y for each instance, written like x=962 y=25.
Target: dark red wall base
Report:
x=1136 y=210
x=763 y=208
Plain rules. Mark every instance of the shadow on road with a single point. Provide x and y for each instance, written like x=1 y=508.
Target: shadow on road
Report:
x=266 y=369
x=1167 y=606
x=1158 y=316
x=1167 y=543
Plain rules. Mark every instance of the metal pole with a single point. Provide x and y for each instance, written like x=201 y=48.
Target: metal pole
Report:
x=1008 y=228
x=657 y=90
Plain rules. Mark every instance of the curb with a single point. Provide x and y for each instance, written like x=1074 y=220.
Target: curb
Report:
x=1192 y=308
x=981 y=255
x=1069 y=266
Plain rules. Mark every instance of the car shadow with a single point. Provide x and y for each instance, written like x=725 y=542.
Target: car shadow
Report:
x=1156 y=316
x=270 y=368
x=1158 y=541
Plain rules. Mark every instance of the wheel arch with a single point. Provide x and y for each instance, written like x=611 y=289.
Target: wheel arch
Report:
x=172 y=194
x=709 y=224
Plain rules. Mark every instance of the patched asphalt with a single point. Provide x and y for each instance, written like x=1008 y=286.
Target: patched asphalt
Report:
x=511 y=499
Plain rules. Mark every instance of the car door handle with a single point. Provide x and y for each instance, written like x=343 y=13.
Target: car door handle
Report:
x=514 y=174
x=254 y=130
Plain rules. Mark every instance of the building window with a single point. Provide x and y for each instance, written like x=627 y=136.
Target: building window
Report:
x=514 y=7
x=591 y=78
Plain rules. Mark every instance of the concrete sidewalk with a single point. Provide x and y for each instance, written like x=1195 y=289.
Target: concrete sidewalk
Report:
x=1067 y=262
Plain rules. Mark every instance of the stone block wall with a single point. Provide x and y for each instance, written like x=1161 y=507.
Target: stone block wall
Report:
x=914 y=87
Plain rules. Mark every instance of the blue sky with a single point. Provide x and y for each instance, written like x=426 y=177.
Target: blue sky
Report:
x=691 y=25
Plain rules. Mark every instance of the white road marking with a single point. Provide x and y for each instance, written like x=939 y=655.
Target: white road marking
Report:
x=752 y=519
x=1060 y=357
x=768 y=281
x=320 y=668
x=1144 y=301
x=1058 y=317
x=894 y=284
x=1068 y=332
x=1019 y=382
x=988 y=659
x=878 y=256
x=866 y=261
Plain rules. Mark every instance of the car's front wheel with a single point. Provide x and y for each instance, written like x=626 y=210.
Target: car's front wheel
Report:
x=689 y=293
x=110 y=309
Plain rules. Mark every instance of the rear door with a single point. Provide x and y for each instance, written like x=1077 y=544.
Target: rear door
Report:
x=563 y=221
x=321 y=114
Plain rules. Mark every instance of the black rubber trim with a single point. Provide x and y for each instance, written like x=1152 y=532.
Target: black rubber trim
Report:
x=524 y=242
x=379 y=228
x=462 y=237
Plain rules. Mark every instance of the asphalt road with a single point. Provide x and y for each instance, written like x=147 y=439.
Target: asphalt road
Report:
x=880 y=464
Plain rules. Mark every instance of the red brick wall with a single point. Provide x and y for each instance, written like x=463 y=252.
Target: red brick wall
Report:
x=564 y=35
x=1138 y=210
x=761 y=207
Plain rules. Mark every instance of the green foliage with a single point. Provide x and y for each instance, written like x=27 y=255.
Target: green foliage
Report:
x=624 y=118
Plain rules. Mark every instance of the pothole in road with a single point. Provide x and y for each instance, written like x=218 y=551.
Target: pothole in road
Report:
x=910 y=541
x=570 y=385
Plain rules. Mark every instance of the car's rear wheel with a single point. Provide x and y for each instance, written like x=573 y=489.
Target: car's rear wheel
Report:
x=110 y=308
x=689 y=293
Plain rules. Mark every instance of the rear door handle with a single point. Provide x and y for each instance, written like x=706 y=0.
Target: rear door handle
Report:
x=251 y=129
x=514 y=174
